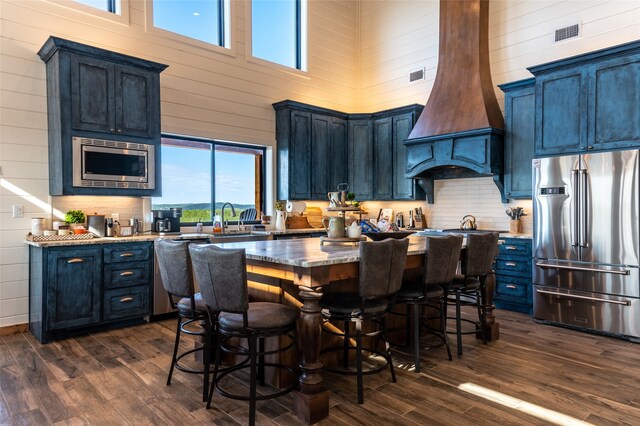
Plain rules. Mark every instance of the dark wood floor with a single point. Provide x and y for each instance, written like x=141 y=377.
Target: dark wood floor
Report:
x=535 y=374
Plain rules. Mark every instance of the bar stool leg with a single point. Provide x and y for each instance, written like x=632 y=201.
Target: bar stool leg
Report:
x=252 y=380
x=416 y=335
x=443 y=324
x=345 y=352
x=359 y=360
x=458 y=324
x=175 y=352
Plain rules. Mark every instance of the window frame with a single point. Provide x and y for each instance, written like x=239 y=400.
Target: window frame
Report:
x=302 y=29
x=236 y=146
x=225 y=34
x=122 y=18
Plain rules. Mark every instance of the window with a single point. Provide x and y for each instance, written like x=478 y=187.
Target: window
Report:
x=198 y=19
x=278 y=31
x=192 y=167
x=112 y=6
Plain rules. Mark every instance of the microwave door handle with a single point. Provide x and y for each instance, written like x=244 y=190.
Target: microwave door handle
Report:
x=582 y=173
x=575 y=209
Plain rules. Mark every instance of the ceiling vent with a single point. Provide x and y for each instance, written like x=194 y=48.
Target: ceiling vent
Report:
x=567 y=32
x=416 y=75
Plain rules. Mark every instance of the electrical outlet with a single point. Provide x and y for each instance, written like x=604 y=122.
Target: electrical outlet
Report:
x=116 y=217
x=18 y=210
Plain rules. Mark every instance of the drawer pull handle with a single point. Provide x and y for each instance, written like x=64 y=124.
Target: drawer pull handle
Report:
x=511 y=286
x=126 y=299
x=126 y=273
x=511 y=264
x=75 y=260
x=126 y=254
x=510 y=248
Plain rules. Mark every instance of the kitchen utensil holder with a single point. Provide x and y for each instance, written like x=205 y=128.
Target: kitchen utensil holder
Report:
x=515 y=226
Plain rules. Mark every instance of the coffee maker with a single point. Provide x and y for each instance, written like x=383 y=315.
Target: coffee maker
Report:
x=167 y=221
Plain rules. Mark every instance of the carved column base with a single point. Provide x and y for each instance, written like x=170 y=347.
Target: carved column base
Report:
x=311 y=408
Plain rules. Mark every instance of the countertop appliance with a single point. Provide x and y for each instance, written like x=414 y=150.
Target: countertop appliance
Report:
x=113 y=164
x=586 y=237
x=166 y=221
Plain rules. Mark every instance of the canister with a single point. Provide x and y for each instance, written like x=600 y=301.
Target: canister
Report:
x=38 y=224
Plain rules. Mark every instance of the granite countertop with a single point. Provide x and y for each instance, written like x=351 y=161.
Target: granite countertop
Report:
x=150 y=237
x=308 y=252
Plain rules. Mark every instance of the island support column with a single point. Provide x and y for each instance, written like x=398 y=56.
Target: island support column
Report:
x=310 y=402
x=491 y=327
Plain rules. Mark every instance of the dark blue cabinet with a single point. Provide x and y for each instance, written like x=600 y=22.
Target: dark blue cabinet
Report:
x=589 y=102
x=519 y=137
x=514 y=275
x=99 y=94
x=360 y=158
x=311 y=151
x=77 y=289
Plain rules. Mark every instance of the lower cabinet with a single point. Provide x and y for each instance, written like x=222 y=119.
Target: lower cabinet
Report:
x=514 y=275
x=81 y=288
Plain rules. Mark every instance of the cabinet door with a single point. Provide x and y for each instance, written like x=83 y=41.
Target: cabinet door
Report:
x=92 y=95
x=383 y=159
x=321 y=157
x=136 y=102
x=339 y=153
x=614 y=115
x=519 y=141
x=561 y=108
x=360 y=162
x=299 y=156
x=73 y=287
x=403 y=188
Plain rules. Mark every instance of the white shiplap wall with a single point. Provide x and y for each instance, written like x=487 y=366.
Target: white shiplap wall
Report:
x=203 y=92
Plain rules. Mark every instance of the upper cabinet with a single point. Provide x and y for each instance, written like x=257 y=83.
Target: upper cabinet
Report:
x=320 y=148
x=589 y=102
x=113 y=98
x=95 y=93
x=519 y=137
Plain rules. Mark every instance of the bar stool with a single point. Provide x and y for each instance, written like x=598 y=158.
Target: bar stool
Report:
x=222 y=276
x=381 y=269
x=465 y=290
x=441 y=261
x=174 y=264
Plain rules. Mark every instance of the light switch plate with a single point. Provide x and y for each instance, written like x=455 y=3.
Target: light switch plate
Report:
x=18 y=210
x=116 y=217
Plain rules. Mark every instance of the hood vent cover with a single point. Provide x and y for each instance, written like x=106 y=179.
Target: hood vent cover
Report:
x=460 y=132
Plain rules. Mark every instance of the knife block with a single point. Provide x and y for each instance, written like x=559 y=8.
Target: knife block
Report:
x=419 y=221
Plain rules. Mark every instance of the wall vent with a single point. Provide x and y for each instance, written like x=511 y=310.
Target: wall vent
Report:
x=416 y=75
x=567 y=32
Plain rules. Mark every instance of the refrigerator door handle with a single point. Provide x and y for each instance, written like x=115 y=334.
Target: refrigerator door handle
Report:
x=625 y=302
x=582 y=206
x=575 y=210
x=620 y=271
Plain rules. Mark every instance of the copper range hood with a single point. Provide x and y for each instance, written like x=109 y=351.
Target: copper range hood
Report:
x=460 y=132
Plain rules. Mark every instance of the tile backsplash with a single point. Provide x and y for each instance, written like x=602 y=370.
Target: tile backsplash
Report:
x=126 y=207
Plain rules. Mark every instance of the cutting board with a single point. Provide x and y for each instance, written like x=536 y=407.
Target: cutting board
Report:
x=314 y=216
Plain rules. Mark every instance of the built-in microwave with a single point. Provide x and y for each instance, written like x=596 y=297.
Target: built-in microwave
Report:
x=113 y=164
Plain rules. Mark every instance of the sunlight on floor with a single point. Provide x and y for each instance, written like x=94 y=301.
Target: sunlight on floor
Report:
x=520 y=405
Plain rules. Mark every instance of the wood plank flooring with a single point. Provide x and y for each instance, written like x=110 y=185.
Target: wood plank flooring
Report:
x=534 y=375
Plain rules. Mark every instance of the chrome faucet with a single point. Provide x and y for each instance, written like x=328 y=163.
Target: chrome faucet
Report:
x=233 y=212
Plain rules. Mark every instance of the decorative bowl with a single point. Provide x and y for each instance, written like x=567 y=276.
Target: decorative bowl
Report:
x=379 y=236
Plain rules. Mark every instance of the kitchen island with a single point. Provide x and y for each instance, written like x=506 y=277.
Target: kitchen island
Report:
x=310 y=267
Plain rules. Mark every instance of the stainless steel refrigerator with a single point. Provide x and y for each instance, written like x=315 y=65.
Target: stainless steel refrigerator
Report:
x=586 y=269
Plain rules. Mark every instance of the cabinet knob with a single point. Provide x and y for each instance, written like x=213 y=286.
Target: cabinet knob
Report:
x=119 y=130
x=126 y=299
x=510 y=263
x=112 y=130
x=126 y=254
x=126 y=273
x=510 y=248
x=511 y=286
x=75 y=260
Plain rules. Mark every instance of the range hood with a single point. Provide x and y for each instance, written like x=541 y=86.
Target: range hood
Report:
x=460 y=132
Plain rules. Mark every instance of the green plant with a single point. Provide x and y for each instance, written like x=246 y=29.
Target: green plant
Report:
x=74 y=216
x=279 y=205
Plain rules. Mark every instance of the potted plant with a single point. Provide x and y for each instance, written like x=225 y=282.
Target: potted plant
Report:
x=281 y=215
x=75 y=218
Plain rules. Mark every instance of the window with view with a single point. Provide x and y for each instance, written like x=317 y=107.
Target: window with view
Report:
x=197 y=19
x=112 y=6
x=278 y=31
x=200 y=176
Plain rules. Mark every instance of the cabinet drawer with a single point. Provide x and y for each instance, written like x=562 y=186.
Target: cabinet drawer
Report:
x=513 y=289
x=513 y=266
x=126 y=274
x=126 y=302
x=127 y=252
x=516 y=247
